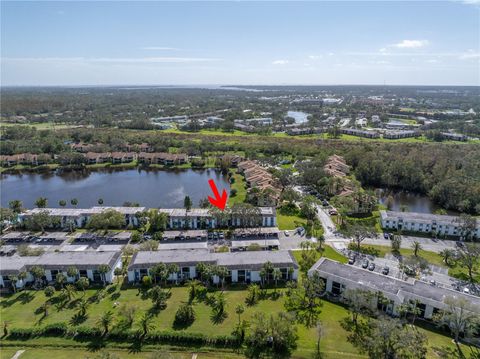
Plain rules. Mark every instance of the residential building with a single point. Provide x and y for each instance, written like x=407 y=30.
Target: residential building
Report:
x=162 y=158
x=430 y=299
x=454 y=136
x=443 y=225
x=359 y=133
x=87 y=263
x=400 y=134
x=336 y=166
x=243 y=267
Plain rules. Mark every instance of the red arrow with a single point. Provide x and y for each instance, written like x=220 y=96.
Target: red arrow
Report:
x=218 y=201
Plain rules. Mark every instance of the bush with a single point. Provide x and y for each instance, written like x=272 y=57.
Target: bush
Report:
x=364 y=249
x=233 y=192
x=21 y=333
x=185 y=315
x=88 y=332
x=147 y=281
x=55 y=329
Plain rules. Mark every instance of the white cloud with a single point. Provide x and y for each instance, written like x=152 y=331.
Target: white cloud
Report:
x=280 y=62
x=432 y=61
x=124 y=60
x=330 y=54
x=411 y=44
x=469 y=55
x=159 y=48
x=315 y=57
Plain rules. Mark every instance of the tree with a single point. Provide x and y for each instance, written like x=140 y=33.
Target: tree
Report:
x=100 y=201
x=248 y=215
x=221 y=272
x=74 y=202
x=49 y=291
x=277 y=274
x=159 y=297
x=82 y=284
x=16 y=206
x=150 y=245
x=108 y=219
x=305 y=300
x=461 y=317
x=187 y=203
x=127 y=312
x=185 y=315
x=239 y=310
x=274 y=336
x=69 y=291
x=38 y=273
x=396 y=243
x=72 y=272
x=467 y=226
x=60 y=279
x=41 y=202
x=447 y=254
x=416 y=246
x=13 y=282
x=468 y=256
x=146 y=324
x=359 y=302
x=39 y=221
x=358 y=233
x=320 y=333
x=219 y=305
x=103 y=269
x=62 y=203
x=82 y=306
x=105 y=321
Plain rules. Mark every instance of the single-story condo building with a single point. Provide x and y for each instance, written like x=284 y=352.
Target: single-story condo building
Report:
x=243 y=267
x=425 y=222
x=86 y=262
x=430 y=299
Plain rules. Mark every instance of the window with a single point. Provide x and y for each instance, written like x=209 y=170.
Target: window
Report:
x=284 y=272
x=82 y=273
x=54 y=273
x=337 y=288
x=186 y=272
x=96 y=276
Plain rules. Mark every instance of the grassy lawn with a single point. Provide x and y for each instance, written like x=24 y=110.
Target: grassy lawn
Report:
x=289 y=221
x=328 y=252
x=241 y=186
x=19 y=310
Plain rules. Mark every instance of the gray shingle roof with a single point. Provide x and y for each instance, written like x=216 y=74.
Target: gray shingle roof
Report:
x=81 y=260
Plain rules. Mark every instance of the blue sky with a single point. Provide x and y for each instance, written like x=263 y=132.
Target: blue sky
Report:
x=188 y=43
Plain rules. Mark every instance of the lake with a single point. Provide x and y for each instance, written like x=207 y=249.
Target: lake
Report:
x=299 y=116
x=412 y=201
x=149 y=188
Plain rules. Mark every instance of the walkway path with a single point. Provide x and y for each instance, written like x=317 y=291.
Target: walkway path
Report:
x=18 y=353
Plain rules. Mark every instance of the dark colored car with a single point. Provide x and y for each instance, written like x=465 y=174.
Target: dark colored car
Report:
x=351 y=260
x=371 y=267
x=386 y=236
x=365 y=264
x=385 y=270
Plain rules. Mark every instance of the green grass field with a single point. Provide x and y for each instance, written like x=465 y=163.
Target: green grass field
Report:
x=241 y=187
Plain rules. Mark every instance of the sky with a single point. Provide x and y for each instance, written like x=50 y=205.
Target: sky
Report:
x=69 y=43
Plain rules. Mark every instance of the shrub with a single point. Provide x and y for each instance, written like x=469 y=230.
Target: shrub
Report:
x=88 y=332
x=55 y=329
x=21 y=333
x=233 y=192
x=147 y=281
x=49 y=291
x=185 y=315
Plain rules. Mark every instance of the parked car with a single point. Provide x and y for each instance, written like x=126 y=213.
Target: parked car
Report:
x=459 y=244
x=386 y=235
x=371 y=267
x=332 y=212
x=286 y=233
x=385 y=270
x=351 y=260
x=365 y=264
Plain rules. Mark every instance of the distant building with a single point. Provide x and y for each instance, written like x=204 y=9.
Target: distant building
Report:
x=400 y=134
x=424 y=222
x=454 y=136
x=359 y=133
x=430 y=299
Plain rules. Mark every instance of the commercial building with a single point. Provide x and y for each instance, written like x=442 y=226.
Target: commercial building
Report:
x=243 y=267
x=425 y=222
x=430 y=299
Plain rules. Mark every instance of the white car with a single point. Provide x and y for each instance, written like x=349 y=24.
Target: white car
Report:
x=286 y=233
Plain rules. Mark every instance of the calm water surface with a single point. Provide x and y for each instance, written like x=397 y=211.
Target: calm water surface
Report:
x=149 y=188
x=299 y=116
x=413 y=202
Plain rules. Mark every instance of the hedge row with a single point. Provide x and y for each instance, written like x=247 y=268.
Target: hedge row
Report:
x=91 y=333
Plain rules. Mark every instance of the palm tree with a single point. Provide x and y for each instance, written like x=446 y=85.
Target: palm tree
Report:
x=145 y=324
x=239 y=310
x=61 y=279
x=74 y=202
x=100 y=201
x=105 y=321
x=22 y=276
x=103 y=269
x=41 y=202
x=447 y=254
x=15 y=206
x=72 y=272
x=82 y=283
x=38 y=273
x=416 y=246
x=13 y=281
x=82 y=306
x=69 y=291
x=277 y=274
x=62 y=203
x=171 y=269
